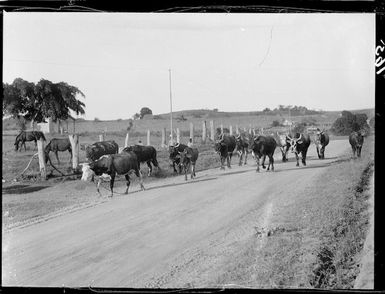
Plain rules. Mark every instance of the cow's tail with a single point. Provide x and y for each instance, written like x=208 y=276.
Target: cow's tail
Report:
x=154 y=160
x=42 y=135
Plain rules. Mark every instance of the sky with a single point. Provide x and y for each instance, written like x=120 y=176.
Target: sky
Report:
x=229 y=61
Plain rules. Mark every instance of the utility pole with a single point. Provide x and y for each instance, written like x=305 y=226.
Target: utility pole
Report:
x=169 y=71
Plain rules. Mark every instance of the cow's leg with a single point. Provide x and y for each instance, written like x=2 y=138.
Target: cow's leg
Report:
x=354 y=151
x=245 y=156
x=359 y=151
x=139 y=175
x=35 y=145
x=257 y=161
x=283 y=154
x=173 y=166
x=271 y=162
x=149 y=168
x=229 y=160
x=98 y=186
x=222 y=162
x=128 y=183
x=297 y=158
x=112 y=184
x=263 y=161
x=240 y=153
x=57 y=157
x=70 y=151
x=186 y=168
x=193 y=170
x=322 y=152
x=304 y=157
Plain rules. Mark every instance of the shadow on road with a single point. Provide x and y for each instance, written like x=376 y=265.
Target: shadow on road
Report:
x=22 y=189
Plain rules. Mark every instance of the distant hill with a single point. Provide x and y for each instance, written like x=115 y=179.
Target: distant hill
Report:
x=183 y=118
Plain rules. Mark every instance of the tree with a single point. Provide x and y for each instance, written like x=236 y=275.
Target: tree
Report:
x=41 y=101
x=349 y=122
x=136 y=116
x=144 y=111
x=275 y=123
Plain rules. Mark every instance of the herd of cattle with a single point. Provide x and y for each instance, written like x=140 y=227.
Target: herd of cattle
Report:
x=105 y=160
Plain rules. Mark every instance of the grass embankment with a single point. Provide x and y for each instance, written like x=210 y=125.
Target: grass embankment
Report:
x=337 y=263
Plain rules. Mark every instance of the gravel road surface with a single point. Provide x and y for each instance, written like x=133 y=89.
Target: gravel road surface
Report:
x=170 y=235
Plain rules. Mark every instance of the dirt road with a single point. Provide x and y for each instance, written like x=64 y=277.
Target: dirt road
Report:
x=174 y=234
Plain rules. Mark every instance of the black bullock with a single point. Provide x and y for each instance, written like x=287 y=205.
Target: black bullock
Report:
x=188 y=159
x=299 y=144
x=108 y=166
x=28 y=136
x=225 y=147
x=98 y=149
x=262 y=146
x=144 y=154
x=321 y=141
x=174 y=150
x=58 y=144
x=356 y=140
x=242 y=147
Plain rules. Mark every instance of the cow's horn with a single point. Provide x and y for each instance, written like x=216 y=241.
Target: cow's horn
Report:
x=300 y=137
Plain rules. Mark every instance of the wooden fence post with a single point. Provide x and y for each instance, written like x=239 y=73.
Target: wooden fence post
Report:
x=221 y=128
x=212 y=130
x=231 y=130
x=236 y=129
x=148 y=138
x=192 y=131
x=204 y=134
x=41 y=154
x=74 y=140
x=126 y=140
x=177 y=135
x=101 y=137
x=163 y=143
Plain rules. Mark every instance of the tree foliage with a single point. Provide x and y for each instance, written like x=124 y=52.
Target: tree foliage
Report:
x=43 y=100
x=349 y=122
x=144 y=111
x=276 y=123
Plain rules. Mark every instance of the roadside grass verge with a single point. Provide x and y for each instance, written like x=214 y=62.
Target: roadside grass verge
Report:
x=337 y=264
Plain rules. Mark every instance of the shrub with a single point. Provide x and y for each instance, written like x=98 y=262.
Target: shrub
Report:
x=275 y=123
x=96 y=119
x=349 y=122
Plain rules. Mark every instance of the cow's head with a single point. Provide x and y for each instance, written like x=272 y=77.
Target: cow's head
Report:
x=87 y=173
x=294 y=142
x=184 y=156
